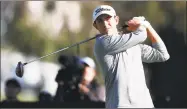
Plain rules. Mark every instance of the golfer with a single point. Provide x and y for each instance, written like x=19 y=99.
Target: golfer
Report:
x=120 y=57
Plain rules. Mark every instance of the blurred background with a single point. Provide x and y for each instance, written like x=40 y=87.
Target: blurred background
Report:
x=30 y=29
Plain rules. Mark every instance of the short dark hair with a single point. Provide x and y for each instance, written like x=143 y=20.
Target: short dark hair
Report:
x=13 y=82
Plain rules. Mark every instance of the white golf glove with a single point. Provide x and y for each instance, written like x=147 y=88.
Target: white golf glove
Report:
x=141 y=18
x=143 y=21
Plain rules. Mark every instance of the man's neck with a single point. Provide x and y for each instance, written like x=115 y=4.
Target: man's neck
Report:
x=114 y=32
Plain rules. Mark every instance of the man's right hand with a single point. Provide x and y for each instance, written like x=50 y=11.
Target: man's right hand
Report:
x=133 y=24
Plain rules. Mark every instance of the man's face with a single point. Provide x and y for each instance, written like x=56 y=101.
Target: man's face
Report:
x=88 y=75
x=106 y=24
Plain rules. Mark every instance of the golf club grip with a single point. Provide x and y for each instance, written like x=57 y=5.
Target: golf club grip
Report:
x=25 y=63
x=124 y=26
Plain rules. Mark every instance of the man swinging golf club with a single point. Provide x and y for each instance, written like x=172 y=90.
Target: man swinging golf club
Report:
x=120 y=57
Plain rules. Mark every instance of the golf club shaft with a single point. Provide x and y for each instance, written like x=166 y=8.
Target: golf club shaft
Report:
x=60 y=50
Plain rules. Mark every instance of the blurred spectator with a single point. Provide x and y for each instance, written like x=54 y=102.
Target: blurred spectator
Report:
x=12 y=89
x=89 y=85
x=45 y=97
x=68 y=78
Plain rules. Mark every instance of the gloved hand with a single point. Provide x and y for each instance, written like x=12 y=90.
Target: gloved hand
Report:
x=143 y=21
x=129 y=26
x=141 y=18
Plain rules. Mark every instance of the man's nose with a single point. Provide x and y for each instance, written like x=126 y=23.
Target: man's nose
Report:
x=105 y=22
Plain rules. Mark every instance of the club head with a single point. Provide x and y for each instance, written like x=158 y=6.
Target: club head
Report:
x=19 y=69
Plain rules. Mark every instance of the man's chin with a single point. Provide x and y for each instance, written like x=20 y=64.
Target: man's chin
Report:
x=107 y=32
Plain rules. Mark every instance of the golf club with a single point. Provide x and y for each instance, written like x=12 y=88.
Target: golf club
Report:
x=20 y=65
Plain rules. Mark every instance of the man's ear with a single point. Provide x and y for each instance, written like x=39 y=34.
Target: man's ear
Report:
x=117 y=19
x=95 y=25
